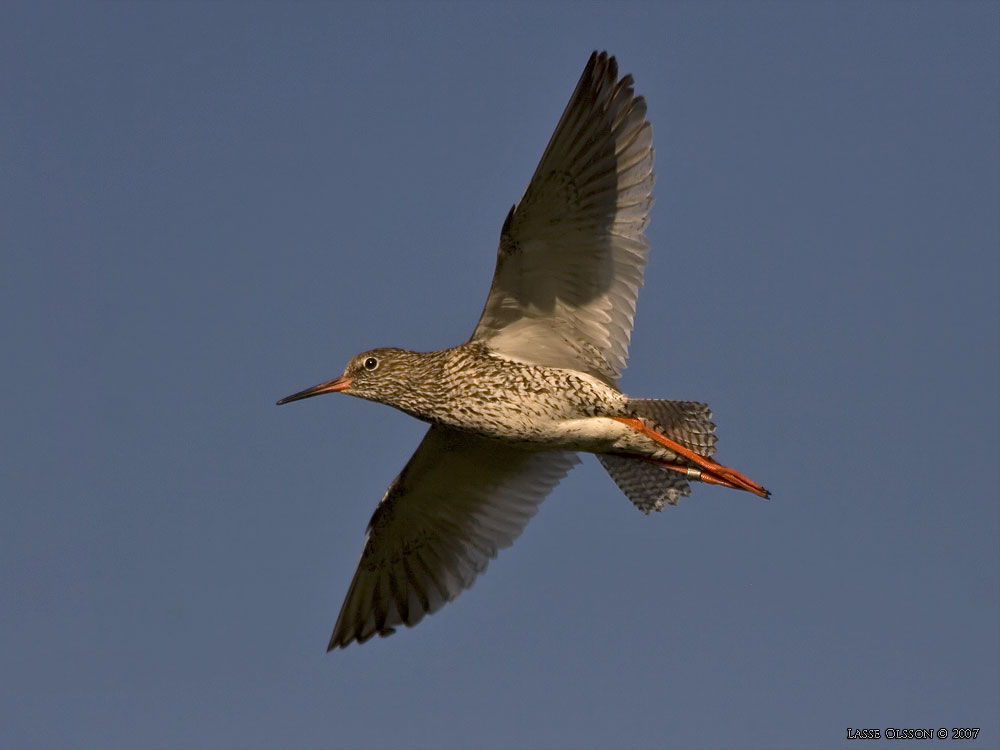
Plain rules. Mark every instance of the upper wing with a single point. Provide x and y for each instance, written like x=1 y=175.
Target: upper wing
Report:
x=458 y=501
x=572 y=252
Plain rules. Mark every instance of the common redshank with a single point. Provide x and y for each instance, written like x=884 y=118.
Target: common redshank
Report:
x=536 y=383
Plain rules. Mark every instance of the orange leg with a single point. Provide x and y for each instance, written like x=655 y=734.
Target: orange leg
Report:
x=712 y=472
x=691 y=473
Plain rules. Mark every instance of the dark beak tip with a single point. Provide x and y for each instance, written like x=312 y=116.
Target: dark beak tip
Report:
x=295 y=397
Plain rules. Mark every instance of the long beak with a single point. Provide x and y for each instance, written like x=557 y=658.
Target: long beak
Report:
x=333 y=386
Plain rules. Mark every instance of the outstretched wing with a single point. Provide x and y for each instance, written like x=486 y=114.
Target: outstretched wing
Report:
x=572 y=252
x=458 y=501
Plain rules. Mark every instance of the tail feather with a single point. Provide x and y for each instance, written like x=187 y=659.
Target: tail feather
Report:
x=648 y=486
x=687 y=422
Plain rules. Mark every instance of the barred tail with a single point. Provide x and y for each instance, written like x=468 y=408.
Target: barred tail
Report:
x=687 y=422
x=647 y=485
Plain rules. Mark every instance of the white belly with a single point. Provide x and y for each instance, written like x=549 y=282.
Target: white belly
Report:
x=589 y=434
x=595 y=435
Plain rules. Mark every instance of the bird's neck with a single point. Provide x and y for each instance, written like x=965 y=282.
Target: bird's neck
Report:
x=439 y=381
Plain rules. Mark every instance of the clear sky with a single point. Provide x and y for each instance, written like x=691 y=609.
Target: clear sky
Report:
x=206 y=207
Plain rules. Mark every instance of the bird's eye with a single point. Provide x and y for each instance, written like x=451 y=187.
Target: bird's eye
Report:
x=371 y=363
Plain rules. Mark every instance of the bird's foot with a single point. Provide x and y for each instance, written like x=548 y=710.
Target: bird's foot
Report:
x=710 y=471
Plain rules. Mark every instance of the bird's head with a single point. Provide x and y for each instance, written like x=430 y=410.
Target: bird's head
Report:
x=377 y=375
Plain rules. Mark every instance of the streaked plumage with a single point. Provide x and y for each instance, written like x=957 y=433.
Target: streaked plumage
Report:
x=536 y=382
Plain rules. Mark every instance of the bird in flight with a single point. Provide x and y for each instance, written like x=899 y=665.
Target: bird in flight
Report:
x=536 y=383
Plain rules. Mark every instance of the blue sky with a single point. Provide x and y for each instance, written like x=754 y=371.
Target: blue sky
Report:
x=209 y=206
